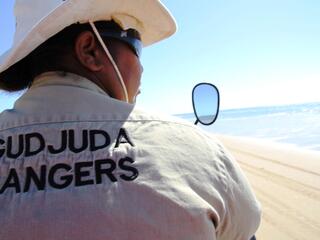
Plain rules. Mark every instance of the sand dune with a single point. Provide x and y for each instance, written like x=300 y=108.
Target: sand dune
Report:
x=286 y=181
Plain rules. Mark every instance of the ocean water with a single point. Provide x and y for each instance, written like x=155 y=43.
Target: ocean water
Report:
x=297 y=125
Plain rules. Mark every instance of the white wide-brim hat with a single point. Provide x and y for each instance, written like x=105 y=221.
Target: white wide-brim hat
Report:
x=38 y=20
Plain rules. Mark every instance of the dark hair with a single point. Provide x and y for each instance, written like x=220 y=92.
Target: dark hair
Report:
x=46 y=57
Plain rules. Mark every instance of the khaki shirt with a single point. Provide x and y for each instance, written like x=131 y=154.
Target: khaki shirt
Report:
x=77 y=164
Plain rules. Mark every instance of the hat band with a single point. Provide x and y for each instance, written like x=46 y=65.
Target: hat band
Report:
x=134 y=43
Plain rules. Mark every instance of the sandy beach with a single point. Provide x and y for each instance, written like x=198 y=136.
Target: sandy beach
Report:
x=286 y=181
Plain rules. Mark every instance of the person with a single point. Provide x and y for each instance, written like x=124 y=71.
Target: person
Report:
x=78 y=159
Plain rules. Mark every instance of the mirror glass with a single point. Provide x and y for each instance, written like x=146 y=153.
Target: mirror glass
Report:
x=205 y=97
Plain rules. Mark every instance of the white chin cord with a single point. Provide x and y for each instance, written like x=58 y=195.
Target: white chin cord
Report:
x=124 y=89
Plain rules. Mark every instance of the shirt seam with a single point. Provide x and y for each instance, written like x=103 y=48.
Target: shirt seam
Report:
x=93 y=121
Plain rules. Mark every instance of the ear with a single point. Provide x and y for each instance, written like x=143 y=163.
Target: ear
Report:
x=88 y=52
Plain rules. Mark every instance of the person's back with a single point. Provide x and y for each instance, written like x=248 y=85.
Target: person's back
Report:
x=113 y=171
x=79 y=161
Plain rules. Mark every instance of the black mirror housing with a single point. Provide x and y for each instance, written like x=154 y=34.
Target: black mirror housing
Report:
x=206 y=103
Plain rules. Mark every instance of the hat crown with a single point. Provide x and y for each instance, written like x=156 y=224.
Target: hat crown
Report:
x=38 y=20
x=29 y=12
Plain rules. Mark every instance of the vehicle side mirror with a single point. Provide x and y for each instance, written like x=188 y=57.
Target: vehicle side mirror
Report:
x=206 y=102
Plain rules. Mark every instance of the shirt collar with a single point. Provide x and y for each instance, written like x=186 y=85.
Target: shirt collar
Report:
x=65 y=79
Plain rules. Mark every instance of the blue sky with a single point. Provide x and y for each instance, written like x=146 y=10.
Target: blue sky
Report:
x=256 y=52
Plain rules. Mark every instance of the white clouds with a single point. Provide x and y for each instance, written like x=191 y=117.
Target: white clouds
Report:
x=273 y=89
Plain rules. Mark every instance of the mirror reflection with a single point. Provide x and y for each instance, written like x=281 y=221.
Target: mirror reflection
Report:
x=205 y=97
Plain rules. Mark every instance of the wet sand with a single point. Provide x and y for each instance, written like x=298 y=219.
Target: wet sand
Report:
x=286 y=181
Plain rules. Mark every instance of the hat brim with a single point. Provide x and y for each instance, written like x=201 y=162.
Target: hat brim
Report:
x=153 y=20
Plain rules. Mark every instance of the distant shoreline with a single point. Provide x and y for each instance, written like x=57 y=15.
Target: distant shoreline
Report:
x=297 y=124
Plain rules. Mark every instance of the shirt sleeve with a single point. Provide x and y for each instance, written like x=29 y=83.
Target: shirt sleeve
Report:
x=242 y=212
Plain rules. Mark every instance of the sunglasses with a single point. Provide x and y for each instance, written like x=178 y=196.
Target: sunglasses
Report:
x=130 y=37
